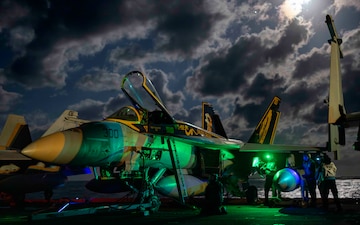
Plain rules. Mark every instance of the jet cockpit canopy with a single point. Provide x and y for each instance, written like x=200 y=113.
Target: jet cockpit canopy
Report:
x=126 y=113
x=143 y=95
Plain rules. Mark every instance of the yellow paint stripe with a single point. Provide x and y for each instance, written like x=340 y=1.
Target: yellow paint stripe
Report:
x=140 y=141
x=73 y=140
x=126 y=122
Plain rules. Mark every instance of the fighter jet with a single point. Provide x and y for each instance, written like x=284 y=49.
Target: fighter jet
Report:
x=142 y=148
x=19 y=174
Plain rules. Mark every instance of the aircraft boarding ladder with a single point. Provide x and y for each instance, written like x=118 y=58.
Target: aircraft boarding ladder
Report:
x=179 y=176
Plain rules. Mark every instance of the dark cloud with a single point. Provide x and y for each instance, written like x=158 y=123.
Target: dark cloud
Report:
x=351 y=71
x=250 y=112
x=8 y=99
x=193 y=115
x=79 y=18
x=351 y=88
x=114 y=104
x=294 y=34
x=51 y=23
x=20 y=12
x=99 y=80
x=310 y=64
x=352 y=41
x=130 y=52
x=178 y=27
x=262 y=86
x=185 y=24
x=305 y=100
x=300 y=96
x=27 y=68
x=263 y=90
x=244 y=118
x=229 y=70
x=318 y=115
x=54 y=22
x=89 y=109
x=226 y=72
x=173 y=100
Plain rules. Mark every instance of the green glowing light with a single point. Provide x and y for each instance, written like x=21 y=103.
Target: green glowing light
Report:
x=255 y=162
x=268 y=156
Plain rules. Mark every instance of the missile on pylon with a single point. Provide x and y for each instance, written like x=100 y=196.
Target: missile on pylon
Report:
x=337 y=112
x=287 y=180
x=334 y=36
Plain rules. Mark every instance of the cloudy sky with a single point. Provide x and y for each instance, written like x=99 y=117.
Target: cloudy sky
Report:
x=65 y=54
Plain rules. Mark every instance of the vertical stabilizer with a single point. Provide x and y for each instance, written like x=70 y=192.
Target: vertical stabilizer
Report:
x=15 y=134
x=211 y=121
x=264 y=132
x=68 y=119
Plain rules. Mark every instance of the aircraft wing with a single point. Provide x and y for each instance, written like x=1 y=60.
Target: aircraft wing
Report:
x=277 y=148
x=232 y=144
x=351 y=118
x=9 y=155
x=206 y=142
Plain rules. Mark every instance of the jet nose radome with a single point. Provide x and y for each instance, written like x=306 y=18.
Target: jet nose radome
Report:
x=57 y=148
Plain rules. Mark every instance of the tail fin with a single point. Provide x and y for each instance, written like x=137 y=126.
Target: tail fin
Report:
x=68 y=119
x=15 y=134
x=264 y=132
x=211 y=121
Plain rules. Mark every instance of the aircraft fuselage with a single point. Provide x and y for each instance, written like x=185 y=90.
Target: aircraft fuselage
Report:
x=108 y=143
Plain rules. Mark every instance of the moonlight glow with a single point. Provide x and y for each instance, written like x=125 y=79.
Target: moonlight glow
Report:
x=291 y=8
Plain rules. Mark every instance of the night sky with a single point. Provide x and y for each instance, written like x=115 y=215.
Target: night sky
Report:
x=237 y=55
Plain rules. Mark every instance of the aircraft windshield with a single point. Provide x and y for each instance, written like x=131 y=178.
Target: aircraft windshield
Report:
x=126 y=113
x=141 y=90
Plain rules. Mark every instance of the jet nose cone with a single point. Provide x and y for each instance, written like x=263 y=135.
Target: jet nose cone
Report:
x=47 y=148
x=57 y=148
